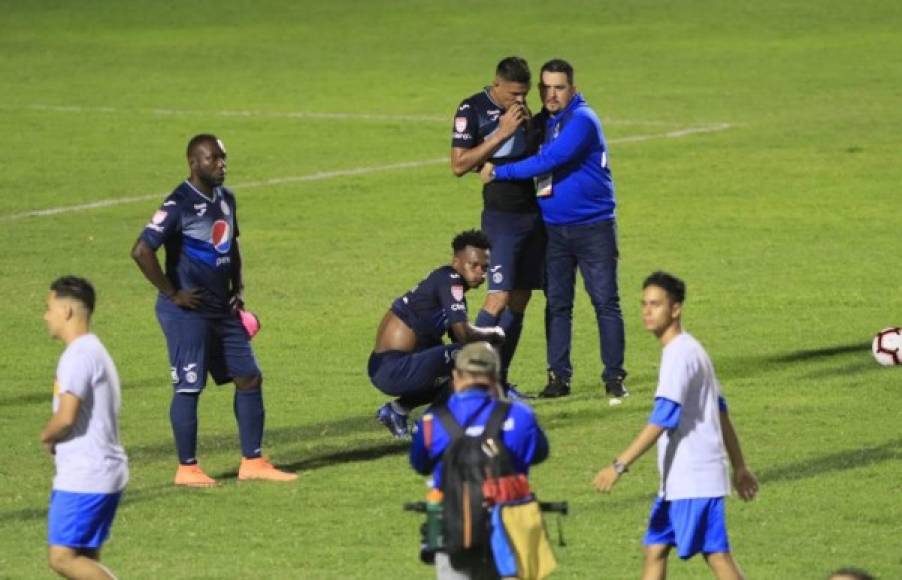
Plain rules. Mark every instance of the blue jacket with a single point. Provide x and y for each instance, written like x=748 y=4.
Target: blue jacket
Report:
x=575 y=153
x=520 y=434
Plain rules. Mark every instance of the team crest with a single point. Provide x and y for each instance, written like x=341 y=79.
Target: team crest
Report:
x=222 y=236
x=457 y=292
x=460 y=124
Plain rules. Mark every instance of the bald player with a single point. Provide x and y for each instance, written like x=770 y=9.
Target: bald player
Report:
x=199 y=294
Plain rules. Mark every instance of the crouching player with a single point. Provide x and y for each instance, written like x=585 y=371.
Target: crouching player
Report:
x=691 y=426
x=409 y=360
x=82 y=435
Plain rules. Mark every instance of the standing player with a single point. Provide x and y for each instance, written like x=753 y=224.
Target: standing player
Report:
x=410 y=361
x=576 y=193
x=692 y=427
x=495 y=125
x=196 y=308
x=82 y=435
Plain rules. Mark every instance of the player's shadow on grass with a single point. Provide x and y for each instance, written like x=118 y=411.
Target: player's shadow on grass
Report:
x=278 y=436
x=819 y=353
x=840 y=461
x=369 y=453
x=44 y=396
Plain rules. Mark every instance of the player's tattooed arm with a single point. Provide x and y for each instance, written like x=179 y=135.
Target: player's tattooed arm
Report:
x=464 y=160
x=146 y=259
x=464 y=332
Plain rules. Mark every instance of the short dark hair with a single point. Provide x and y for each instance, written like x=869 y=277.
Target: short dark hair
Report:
x=856 y=573
x=474 y=238
x=559 y=65
x=197 y=140
x=75 y=288
x=675 y=288
x=514 y=69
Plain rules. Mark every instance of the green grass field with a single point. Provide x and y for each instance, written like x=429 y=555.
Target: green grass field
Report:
x=782 y=217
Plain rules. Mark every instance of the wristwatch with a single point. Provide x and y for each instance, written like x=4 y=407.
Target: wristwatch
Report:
x=619 y=468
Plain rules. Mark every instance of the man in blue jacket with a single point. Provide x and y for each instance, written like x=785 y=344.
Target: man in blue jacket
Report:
x=476 y=389
x=576 y=196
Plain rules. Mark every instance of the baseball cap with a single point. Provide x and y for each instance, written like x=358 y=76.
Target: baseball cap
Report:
x=478 y=358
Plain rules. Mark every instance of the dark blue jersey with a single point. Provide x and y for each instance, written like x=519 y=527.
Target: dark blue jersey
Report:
x=200 y=234
x=433 y=305
x=475 y=120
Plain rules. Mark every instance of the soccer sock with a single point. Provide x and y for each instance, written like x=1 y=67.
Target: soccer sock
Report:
x=250 y=414
x=183 y=415
x=512 y=323
x=485 y=319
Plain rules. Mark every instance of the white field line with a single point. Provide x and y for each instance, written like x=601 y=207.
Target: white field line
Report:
x=323 y=175
x=283 y=114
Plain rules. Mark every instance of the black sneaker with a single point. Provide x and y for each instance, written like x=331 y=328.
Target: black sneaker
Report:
x=556 y=387
x=514 y=394
x=616 y=391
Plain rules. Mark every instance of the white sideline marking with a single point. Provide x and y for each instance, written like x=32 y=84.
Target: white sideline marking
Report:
x=282 y=114
x=323 y=175
x=239 y=113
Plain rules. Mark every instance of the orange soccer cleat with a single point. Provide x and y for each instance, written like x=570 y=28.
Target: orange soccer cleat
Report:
x=193 y=476
x=261 y=468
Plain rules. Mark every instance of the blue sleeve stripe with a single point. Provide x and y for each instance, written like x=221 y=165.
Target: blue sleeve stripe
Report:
x=666 y=413
x=722 y=404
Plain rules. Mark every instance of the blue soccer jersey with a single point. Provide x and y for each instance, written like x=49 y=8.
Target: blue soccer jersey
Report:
x=476 y=119
x=433 y=305
x=200 y=234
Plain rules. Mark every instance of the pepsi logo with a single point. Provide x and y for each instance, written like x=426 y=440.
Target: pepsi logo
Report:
x=222 y=236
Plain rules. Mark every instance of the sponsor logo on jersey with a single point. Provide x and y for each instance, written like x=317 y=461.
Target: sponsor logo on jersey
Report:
x=462 y=136
x=497 y=277
x=159 y=217
x=464 y=107
x=458 y=307
x=460 y=124
x=168 y=203
x=457 y=292
x=222 y=236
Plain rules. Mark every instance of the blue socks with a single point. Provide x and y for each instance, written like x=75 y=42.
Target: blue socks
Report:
x=183 y=415
x=512 y=323
x=250 y=414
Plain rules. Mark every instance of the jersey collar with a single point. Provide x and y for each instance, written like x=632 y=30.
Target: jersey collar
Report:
x=200 y=193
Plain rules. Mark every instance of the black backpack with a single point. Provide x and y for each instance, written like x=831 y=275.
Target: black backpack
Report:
x=467 y=463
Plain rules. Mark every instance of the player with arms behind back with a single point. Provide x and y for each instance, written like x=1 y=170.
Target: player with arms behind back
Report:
x=409 y=360
x=82 y=435
x=691 y=426
x=197 y=307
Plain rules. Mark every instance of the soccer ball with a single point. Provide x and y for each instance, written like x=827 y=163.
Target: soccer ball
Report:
x=887 y=346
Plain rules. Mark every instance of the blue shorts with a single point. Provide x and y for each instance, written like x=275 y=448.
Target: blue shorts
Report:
x=399 y=373
x=692 y=525
x=198 y=345
x=517 y=261
x=80 y=520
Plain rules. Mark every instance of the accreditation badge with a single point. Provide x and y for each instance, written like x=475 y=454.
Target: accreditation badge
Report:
x=543 y=185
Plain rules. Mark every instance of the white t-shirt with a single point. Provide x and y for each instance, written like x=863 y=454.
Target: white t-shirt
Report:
x=90 y=459
x=691 y=458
